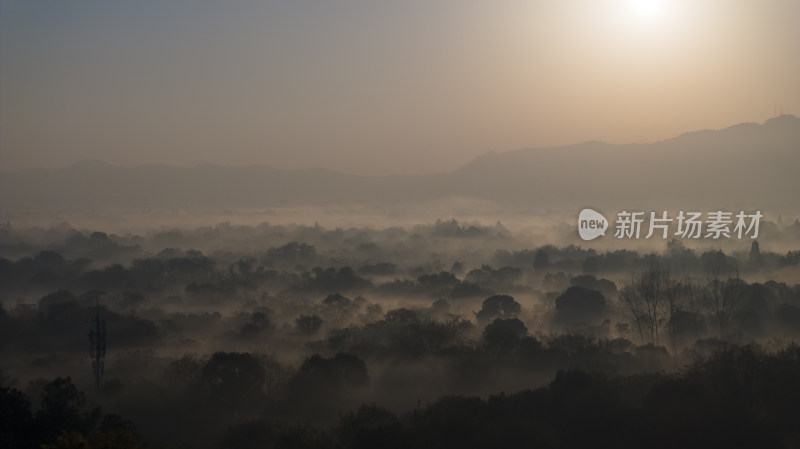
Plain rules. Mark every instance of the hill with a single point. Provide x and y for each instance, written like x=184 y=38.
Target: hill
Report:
x=744 y=166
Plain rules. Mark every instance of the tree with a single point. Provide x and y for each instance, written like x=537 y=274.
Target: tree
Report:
x=541 y=261
x=591 y=265
x=724 y=291
x=233 y=376
x=755 y=259
x=677 y=295
x=69 y=440
x=293 y=251
x=61 y=405
x=580 y=304
x=498 y=306
x=308 y=324
x=504 y=334
x=338 y=302
x=322 y=386
x=15 y=418
x=653 y=300
x=372 y=427
x=259 y=321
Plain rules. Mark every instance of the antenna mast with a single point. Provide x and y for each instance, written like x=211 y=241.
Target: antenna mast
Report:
x=97 y=339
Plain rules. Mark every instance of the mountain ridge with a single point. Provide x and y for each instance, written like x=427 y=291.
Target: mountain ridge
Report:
x=714 y=166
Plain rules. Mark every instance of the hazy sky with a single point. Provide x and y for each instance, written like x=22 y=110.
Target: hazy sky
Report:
x=377 y=87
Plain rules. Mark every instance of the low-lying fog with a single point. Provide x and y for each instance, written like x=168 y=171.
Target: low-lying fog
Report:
x=214 y=326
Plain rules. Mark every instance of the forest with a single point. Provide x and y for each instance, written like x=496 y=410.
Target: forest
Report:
x=446 y=334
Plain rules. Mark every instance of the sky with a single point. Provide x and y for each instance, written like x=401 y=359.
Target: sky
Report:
x=377 y=88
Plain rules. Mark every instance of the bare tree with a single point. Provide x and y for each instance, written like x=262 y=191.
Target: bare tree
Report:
x=678 y=295
x=652 y=300
x=629 y=296
x=651 y=288
x=723 y=293
x=643 y=299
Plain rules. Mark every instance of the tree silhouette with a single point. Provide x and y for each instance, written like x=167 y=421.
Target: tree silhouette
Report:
x=61 y=405
x=498 y=306
x=724 y=293
x=308 y=324
x=653 y=300
x=232 y=377
x=16 y=420
x=580 y=304
x=504 y=334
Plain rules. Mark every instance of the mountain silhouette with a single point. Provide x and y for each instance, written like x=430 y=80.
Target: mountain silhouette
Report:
x=746 y=166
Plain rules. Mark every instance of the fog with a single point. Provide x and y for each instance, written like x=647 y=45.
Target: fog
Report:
x=358 y=224
x=248 y=307
x=217 y=334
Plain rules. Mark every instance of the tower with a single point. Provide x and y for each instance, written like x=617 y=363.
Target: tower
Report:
x=97 y=339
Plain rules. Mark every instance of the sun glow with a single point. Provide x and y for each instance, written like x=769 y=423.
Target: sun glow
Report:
x=647 y=9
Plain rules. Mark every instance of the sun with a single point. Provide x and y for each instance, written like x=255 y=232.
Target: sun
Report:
x=647 y=9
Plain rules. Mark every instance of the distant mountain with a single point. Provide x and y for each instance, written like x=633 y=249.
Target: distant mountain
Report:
x=747 y=165
x=743 y=166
